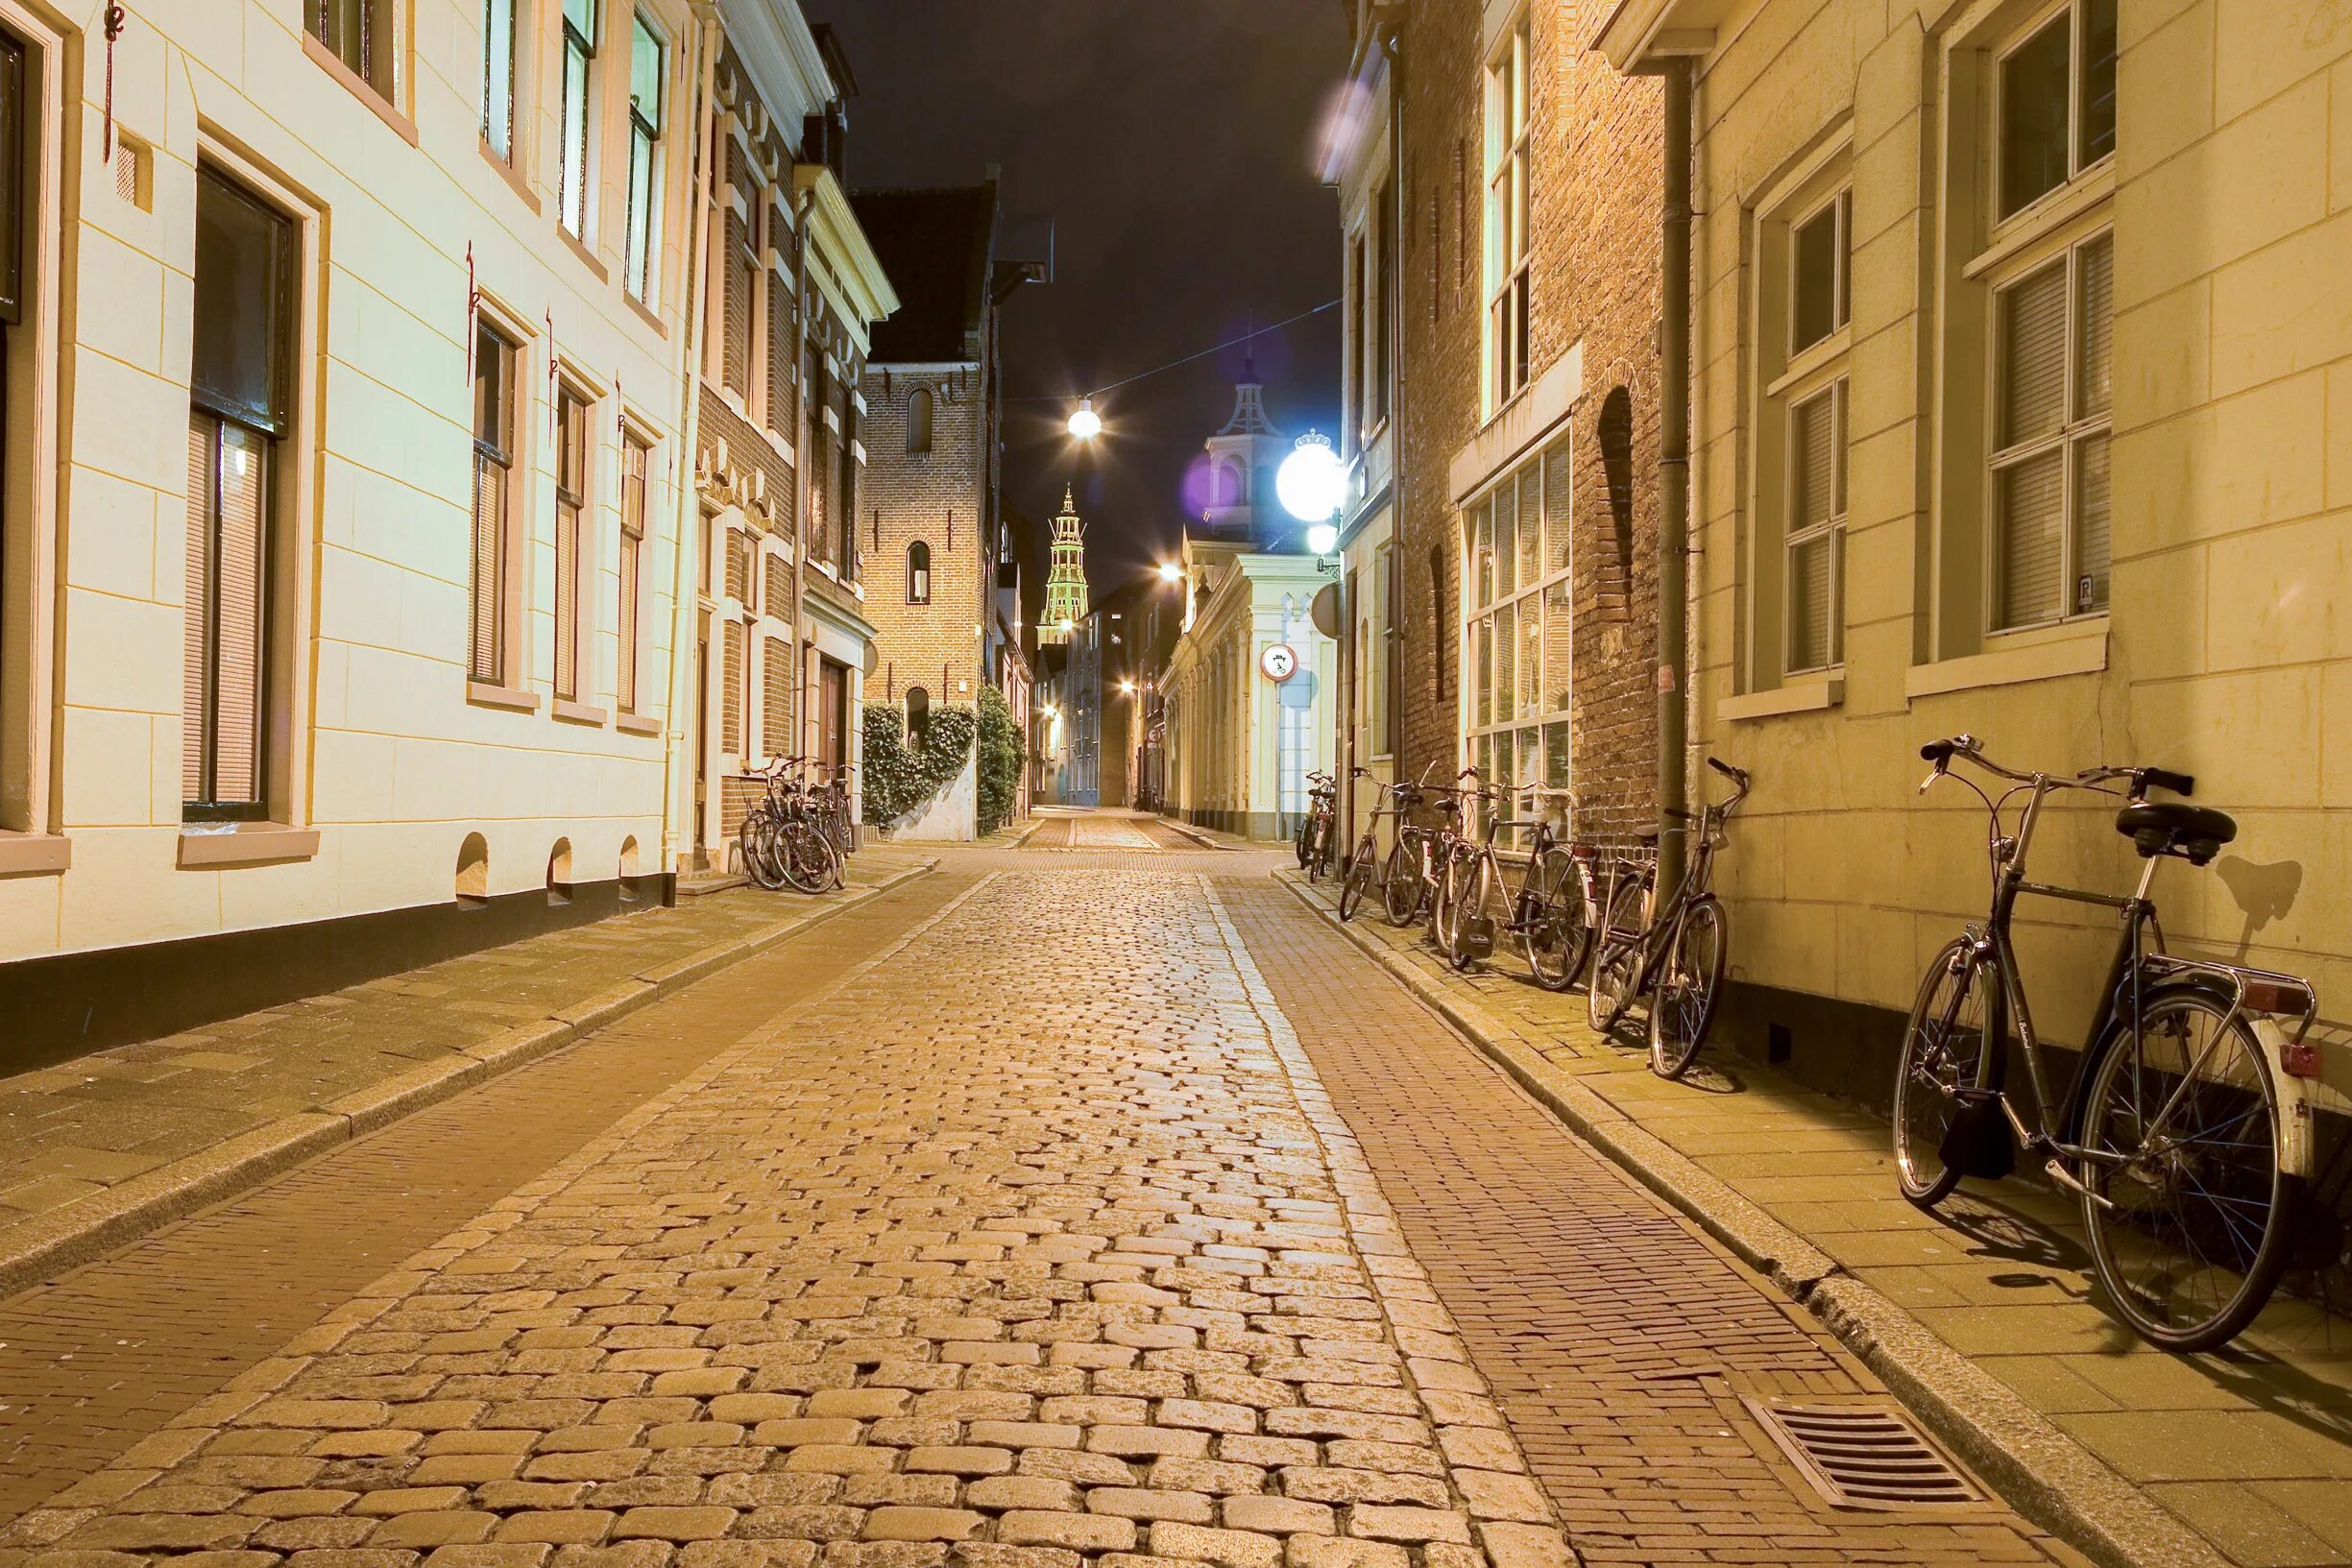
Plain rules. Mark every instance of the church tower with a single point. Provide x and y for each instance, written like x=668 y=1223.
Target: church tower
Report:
x=1241 y=459
x=1065 y=583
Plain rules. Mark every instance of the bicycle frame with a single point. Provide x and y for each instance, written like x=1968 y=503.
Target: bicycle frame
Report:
x=2134 y=968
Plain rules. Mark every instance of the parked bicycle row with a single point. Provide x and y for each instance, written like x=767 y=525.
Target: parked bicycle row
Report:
x=798 y=834
x=2185 y=1135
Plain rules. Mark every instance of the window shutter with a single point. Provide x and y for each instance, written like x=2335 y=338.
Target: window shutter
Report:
x=489 y=560
x=775 y=696
x=2033 y=357
x=196 y=643
x=731 y=721
x=2096 y=375
x=239 y=626
x=2032 y=508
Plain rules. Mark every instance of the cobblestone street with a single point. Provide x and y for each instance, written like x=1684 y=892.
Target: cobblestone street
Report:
x=1036 y=1211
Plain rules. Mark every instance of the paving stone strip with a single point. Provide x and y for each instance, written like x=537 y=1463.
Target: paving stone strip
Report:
x=98 y=1149
x=1008 y=1254
x=104 y=1356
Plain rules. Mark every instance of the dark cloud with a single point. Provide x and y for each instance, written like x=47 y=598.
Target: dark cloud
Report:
x=1173 y=144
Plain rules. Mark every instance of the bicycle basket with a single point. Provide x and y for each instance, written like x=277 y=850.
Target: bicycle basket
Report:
x=1478 y=935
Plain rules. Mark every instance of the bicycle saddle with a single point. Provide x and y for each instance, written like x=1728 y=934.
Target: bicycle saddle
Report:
x=2193 y=832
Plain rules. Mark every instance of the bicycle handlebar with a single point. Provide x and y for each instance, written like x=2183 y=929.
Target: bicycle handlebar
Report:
x=1966 y=746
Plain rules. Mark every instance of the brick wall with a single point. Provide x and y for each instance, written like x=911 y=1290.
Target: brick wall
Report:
x=1594 y=239
x=938 y=498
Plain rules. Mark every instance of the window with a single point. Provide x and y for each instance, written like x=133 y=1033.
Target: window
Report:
x=2056 y=94
x=571 y=487
x=851 y=465
x=919 y=419
x=635 y=456
x=572 y=159
x=1818 y=301
x=918 y=716
x=783 y=328
x=358 y=32
x=240 y=414
x=1359 y=289
x=2053 y=389
x=1816 y=567
x=648 y=76
x=1507 y=208
x=498 y=77
x=739 y=266
x=918 y=573
x=494 y=462
x=1517 y=622
x=1390 y=582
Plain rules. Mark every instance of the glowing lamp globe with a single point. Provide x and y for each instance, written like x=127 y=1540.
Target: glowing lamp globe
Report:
x=1086 y=424
x=1170 y=571
x=1312 y=483
x=1323 y=539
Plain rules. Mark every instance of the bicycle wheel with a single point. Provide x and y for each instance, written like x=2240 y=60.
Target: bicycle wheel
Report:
x=1688 y=985
x=802 y=853
x=1445 y=904
x=2190 y=1215
x=1400 y=884
x=1359 y=878
x=1474 y=901
x=1616 y=958
x=1559 y=937
x=1946 y=1047
x=755 y=840
x=1306 y=841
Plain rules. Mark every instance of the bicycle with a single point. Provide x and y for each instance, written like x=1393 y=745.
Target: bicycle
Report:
x=1548 y=912
x=1409 y=876
x=1394 y=800
x=1315 y=829
x=783 y=841
x=2185 y=1132
x=1679 y=948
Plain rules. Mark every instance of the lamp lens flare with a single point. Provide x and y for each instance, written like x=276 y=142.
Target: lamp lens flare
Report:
x=1323 y=539
x=1312 y=482
x=1086 y=424
x=1170 y=571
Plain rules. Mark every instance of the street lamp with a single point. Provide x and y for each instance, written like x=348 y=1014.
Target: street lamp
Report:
x=1171 y=572
x=1086 y=424
x=1311 y=485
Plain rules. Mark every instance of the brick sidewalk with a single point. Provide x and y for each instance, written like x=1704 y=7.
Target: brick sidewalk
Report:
x=135 y=1127
x=1620 y=1344
x=2251 y=1448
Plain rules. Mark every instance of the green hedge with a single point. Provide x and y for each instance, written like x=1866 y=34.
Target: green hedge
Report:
x=1003 y=753
x=899 y=777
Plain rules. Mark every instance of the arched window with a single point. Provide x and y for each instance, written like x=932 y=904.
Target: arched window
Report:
x=918 y=716
x=918 y=573
x=1225 y=486
x=918 y=420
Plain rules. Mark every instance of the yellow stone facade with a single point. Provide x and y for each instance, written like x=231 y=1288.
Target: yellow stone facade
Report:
x=2212 y=244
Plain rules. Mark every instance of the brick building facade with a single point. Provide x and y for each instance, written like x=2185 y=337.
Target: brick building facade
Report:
x=1525 y=386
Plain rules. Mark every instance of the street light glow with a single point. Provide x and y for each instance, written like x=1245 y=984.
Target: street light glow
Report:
x=1128 y=687
x=1171 y=572
x=1312 y=483
x=1086 y=424
x=1323 y=539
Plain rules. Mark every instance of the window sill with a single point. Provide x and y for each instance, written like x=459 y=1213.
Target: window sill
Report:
x=578 y=713
x=588 y=257
x=646 y=316
x=33 y=855
x=637 y=724
x=487 y=695
x=203 y=845
x=361 y=87
x=2079 y=650
x=1810 y=360
x=508 y=172
x=1807 y=694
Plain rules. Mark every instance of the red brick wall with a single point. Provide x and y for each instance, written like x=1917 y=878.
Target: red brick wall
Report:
x=939 y=498
x=1595 y=234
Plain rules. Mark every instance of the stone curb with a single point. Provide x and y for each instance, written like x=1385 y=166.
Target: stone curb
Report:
x=2032 y=1464
x=48 y=1244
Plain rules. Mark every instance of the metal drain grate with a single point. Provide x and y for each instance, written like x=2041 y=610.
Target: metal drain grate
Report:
x=1865 y=1456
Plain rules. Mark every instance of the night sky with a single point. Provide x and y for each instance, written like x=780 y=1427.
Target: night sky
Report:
x=1173 y=142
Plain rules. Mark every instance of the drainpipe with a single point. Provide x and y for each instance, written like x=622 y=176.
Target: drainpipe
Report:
x=690 y=506
x=802 y=204
x=1674 y=467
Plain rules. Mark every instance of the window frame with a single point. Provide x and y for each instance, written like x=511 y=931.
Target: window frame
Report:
x=919 y=572
x=575 y=182
x=30 y=400
x=1506 y=337
x=575 y=462
x=922 y=408
x=502 y=597
x=2012 y=42
x=641 y=269
x=375 y=16
x=631 y=579
x=1484 y=601
x=504 y=144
